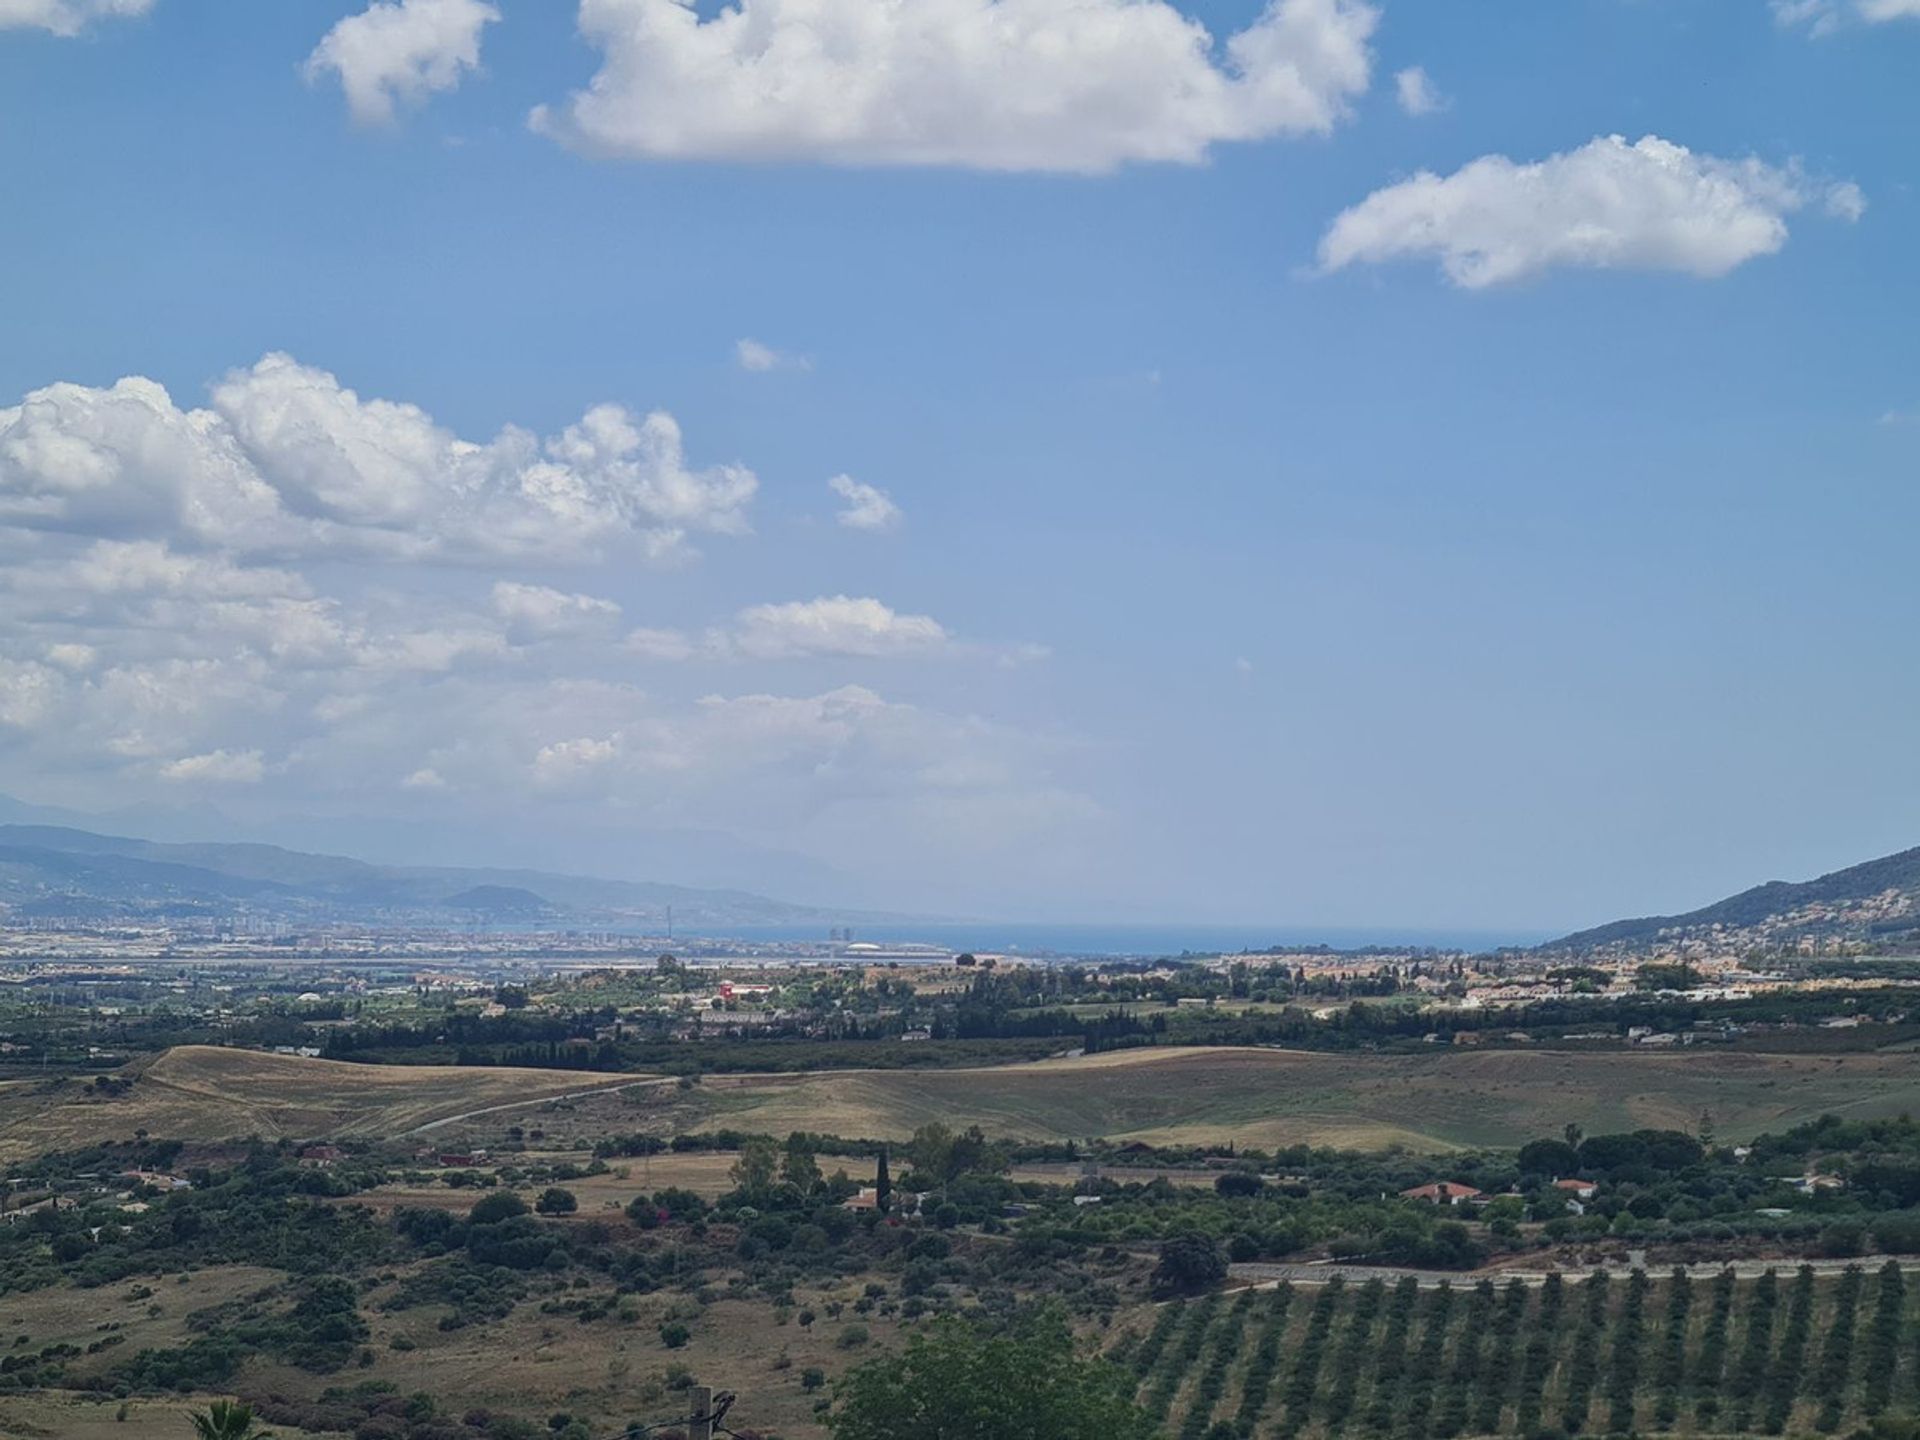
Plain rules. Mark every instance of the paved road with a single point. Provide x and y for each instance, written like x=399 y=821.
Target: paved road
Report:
x=1262 y=1275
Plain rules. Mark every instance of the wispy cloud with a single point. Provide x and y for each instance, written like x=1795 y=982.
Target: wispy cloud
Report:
x=868 y=507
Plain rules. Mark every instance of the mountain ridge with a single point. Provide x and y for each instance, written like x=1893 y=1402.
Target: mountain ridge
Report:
x=1875 y=898
x=43 y=867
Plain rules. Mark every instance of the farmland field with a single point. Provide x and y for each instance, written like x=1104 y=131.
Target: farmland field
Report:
x=202 y=1092
x=1444 y=1101
x=1785 y=1353
x=1166 y=1096
x=1448 y=1100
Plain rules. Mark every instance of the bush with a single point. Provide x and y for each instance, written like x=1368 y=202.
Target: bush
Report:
x=492 y=1209
x=674 y=1334
x=1188 y=1262
x=961 y=1382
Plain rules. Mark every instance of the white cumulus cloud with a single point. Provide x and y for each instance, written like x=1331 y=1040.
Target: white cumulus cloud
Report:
x=289 y=461
x=868 y=506
x=1823 y=17
x=758 y=358
x=226 y=767
x=841 y=626
x=399 y=52
x=1609 y=205
x=834 y=625
x=539 y=610
x=66 y=17
x=1414 y=89
x=1059 y=85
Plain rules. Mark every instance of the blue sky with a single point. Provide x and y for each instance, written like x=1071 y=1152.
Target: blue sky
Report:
x=1280 y=536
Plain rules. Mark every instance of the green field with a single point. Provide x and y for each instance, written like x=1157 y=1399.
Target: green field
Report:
x=1702 y=1355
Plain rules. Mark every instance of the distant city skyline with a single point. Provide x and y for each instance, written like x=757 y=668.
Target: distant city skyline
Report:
x=1344 y=465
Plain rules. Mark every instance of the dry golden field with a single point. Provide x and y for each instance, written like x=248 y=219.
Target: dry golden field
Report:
x=1443 y=1101
x=203 y=1092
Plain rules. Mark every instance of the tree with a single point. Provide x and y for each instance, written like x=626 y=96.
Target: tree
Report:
x=961 y=1382
x=759 y=1159
x=798 y=1168
x=227 y=1420
x=973 y=1154
x=1188 y=1262
x=932 y=1150
x=939 y=1155
x=556 y=1201
x=1552 y=1158
x=501 y=1205
x=882 y=1184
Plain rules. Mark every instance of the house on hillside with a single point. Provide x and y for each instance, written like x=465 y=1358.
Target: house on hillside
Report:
x=1814 y=1184
x=903 y=1202
x=1577 y=1189
x=1445 y=1192
x=155 y=1179
x=319 y=1157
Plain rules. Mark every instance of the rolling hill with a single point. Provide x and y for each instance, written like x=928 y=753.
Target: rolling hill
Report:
x=52 y=870
x=1876 y=899
x=205 y=1092
x=1427 y=1102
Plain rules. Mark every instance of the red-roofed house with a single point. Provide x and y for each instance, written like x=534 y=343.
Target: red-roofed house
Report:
x=1443 y=1192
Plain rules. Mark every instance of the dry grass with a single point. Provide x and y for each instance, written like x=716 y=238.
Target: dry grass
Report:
x=55 y=1415
x=69 y=1316
x=201 y=1092
x=612 y=1370
x=1263 y=1097
x=1432 y=1102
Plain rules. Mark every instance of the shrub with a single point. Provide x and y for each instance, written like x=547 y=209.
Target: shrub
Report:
x=492 y=1209
x=1188 y=1262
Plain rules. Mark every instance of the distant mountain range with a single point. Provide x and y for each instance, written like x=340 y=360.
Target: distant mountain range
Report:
x=51 y=871
x=1877 y=900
